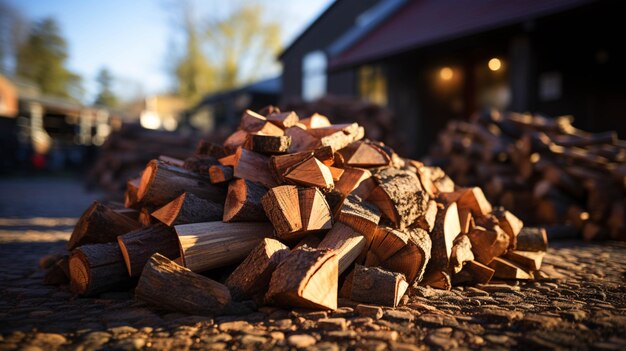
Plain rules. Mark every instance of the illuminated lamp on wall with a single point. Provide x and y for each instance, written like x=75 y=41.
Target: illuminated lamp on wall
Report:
x=446 y=73
x=494 y=64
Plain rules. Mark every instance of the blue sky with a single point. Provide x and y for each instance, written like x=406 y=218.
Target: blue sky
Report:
x=132 y=37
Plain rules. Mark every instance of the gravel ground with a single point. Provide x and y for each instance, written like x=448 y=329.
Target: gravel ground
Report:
x=582 y=307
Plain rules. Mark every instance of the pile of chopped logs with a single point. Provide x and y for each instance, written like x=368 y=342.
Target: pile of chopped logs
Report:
x=294 y=212
x=547 y=171
x=127 y=150
x=375 y=119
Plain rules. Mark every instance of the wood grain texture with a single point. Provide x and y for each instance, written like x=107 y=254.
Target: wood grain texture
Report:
x=306 y=278
x=97 y=268
x=166 y=285
x=216 y=244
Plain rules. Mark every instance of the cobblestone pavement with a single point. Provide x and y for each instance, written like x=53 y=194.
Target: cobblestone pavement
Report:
x=583 y=307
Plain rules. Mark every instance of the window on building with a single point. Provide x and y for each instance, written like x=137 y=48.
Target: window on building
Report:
x=314 y=75
x=373 y=84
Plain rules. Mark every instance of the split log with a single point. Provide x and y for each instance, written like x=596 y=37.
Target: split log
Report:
x=510 y=224
x=282 y=164
x=216 y=244
x=311 y=172
x=252 y=276
x=306 y=278
x=475 y=200
x=301 y=140
x=220 y=174
x=253 y=167
x=268 y=144
x=336 y=173
x=243 y=202
x=253 y=122
x=507 y=270
x=97 y=268
x=284 y=119
x=427 y=220
x=399 y=196
x=412 y=259
x=488 y=244
x=340 y=139
x=461 y=253
x=166 y=285
x=360 y=216
x=234 y=141
x=364 y=154
x=527 y=259
x=282 y=207
x=357 y=181
x=532 y=239
x=314 y=210
x=377 y=286
x=100 y=224
x=347 y=243
x=481 y=274
x=446 y=229
x=138 y=245
x=130 y=196
x=316 y=120
x=188 y=208
x=162 y=183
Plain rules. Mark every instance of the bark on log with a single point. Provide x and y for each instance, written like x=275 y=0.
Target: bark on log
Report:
x=166 y=285
x=360 y=215
x=532 y=239
x=243 y=202
x=138 y=245
x=97 y=268
x=100 y=224
x=399 y=196
x=447 y=228
x=162 y=183
x=268 y=144
x=252 y=276
x=377 y=286
x=188 y=208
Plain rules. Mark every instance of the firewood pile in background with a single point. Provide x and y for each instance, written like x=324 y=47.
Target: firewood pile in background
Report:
x=294 y=212
x=127 y=150
x=544 y=169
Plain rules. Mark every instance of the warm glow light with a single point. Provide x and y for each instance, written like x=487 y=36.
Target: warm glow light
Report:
x=446 y=73
x=494 y=64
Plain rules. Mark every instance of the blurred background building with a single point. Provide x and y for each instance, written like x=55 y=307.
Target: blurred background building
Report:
x=433 y=60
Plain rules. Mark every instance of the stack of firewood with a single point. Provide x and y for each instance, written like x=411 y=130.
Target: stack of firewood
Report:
x=375 y=119
x=294 y=212
x=127 y=150
x=544 y=169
